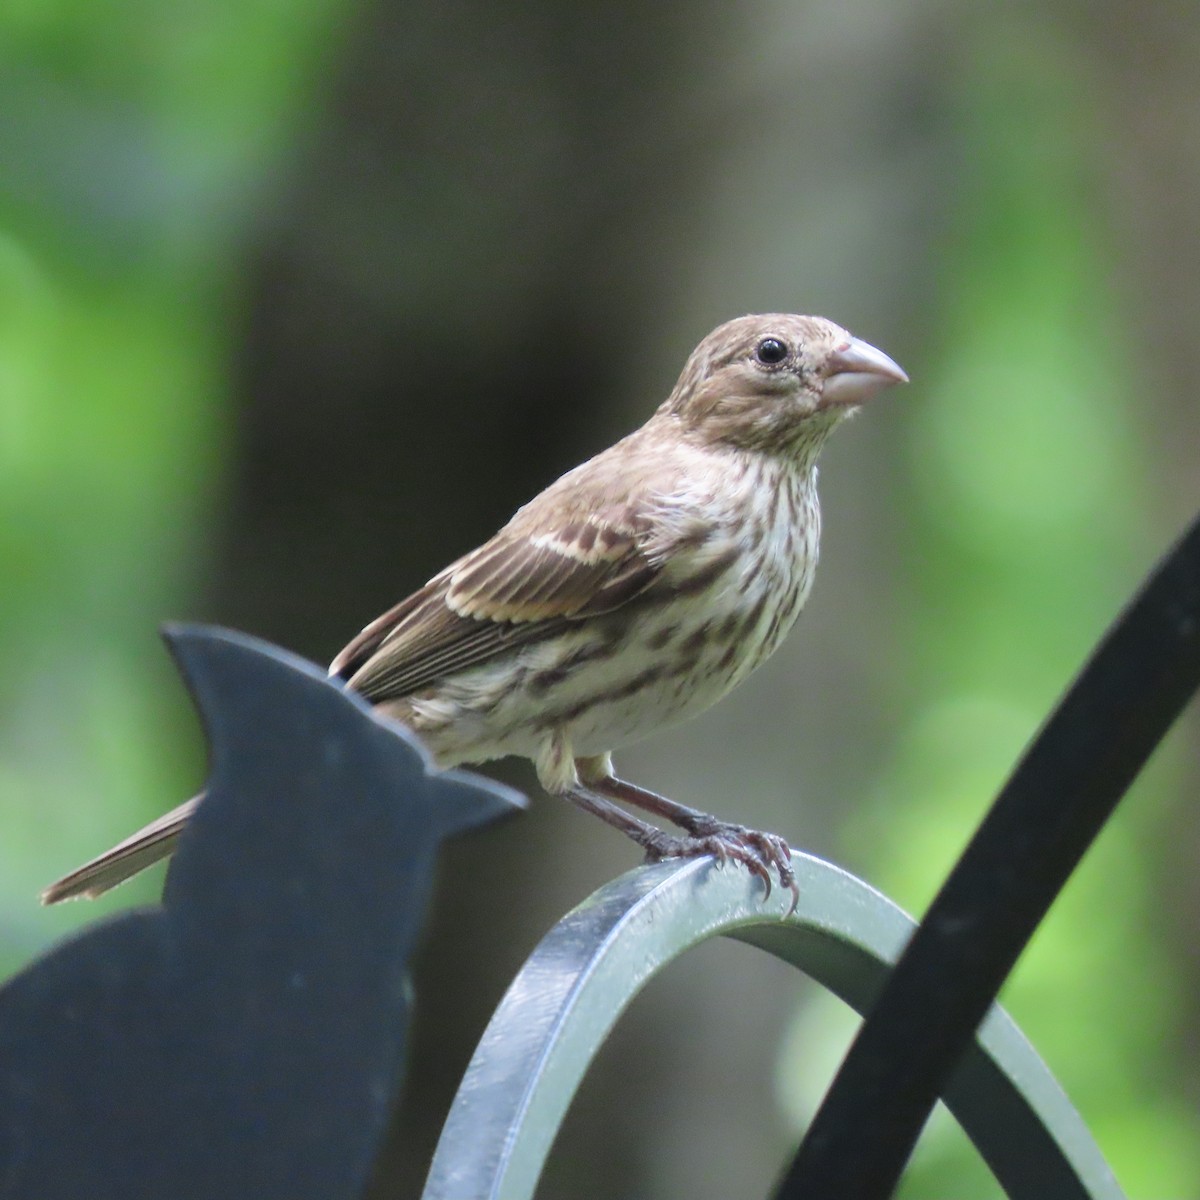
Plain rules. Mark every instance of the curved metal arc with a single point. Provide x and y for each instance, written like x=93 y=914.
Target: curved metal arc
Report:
x=574 y=987
x=1064 y=788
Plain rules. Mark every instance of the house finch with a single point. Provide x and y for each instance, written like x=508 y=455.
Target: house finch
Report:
x=631 y=594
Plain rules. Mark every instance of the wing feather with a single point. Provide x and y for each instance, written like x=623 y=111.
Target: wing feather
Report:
x=525 y=584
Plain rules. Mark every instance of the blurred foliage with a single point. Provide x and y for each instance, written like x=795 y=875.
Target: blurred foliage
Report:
x=1027 y=480
x=134 y=139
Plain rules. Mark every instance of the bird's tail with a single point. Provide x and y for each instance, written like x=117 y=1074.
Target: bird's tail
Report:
x=137 y=852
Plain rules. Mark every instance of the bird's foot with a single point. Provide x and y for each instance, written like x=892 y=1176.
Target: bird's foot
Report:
x=758 y=852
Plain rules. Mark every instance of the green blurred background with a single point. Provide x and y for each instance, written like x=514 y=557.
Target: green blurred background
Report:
x=297 y=301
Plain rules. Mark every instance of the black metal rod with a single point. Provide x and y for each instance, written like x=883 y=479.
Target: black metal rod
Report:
x=1058 y=798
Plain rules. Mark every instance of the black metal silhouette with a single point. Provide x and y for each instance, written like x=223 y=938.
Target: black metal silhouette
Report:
x=1058 y=798
x=246 y=1038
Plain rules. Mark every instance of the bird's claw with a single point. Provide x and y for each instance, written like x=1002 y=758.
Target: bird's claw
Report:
x=758 y=852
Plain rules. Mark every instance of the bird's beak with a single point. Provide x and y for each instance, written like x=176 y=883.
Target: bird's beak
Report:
x=856 y=371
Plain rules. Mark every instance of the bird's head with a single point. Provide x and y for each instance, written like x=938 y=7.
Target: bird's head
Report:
x=776 y=383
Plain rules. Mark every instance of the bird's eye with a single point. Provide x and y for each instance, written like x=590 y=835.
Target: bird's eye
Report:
x=771 y=352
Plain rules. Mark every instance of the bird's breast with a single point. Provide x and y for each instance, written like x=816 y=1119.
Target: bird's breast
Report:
x=719 y=612
x=720 y=608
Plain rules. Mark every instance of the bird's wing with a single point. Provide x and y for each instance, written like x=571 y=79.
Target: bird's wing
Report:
x=532 y=579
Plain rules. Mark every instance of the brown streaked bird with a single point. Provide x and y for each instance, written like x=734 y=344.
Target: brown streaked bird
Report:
x=630 y=595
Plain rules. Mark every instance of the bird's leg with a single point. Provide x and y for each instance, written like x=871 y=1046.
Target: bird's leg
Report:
x=658 y=844
x=653 y=840
x=724 y=840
